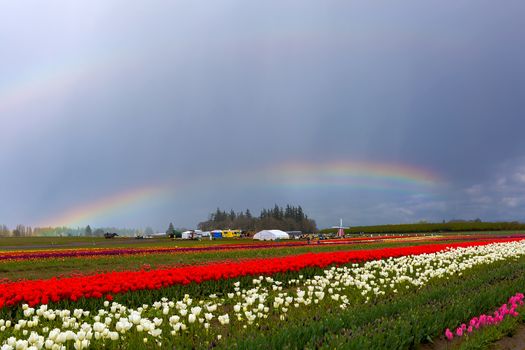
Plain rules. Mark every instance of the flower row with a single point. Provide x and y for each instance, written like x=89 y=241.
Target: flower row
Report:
x=36 y=292
x=508 y=309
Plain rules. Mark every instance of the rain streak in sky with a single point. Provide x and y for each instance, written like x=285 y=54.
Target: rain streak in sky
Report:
x=125 y=114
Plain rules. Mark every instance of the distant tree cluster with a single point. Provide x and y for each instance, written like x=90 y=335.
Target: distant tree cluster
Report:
x=289 y=218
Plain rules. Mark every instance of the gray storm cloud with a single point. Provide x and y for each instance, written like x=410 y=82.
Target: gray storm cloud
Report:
x=102 y=97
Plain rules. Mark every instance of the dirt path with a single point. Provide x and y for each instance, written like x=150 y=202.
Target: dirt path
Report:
x=438 y=344
x=516 y=342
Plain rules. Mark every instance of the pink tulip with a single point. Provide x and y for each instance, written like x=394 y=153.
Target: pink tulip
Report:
x=483 y=320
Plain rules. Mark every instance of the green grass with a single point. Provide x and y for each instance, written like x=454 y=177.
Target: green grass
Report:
x=22 y=243
x=435 y=227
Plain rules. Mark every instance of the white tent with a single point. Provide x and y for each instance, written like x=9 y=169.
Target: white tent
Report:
x=271 y=235
x=204 y=234
x=194 y=234
x=190 y=234
x=186 y=234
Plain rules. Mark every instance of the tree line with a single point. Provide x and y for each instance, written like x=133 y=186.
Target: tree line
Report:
x=451 y=226
x=28 y=231
x=18 y=231
x=289 y=218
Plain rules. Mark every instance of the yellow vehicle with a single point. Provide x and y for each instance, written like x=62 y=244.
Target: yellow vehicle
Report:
x=231 y=233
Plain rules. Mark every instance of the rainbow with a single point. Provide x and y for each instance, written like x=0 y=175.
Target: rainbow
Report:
x=37 y=85
x=353 y=174
x=55 y=81
x=299 y=175
x=107 y=205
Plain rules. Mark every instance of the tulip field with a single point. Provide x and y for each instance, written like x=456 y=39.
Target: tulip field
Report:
x=389 y=292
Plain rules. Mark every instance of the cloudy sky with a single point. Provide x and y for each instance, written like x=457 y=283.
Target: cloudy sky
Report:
x=132 y=114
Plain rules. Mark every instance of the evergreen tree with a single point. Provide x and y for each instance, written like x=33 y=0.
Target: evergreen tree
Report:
x=171 y=230
x=276 y=212
x=288 y=212
x=88 y=232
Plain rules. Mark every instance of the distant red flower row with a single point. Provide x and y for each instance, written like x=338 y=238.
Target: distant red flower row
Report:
x=89 y=252
x=36 y=292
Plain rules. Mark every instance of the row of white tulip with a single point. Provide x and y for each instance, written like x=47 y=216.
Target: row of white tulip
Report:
x=266 y=300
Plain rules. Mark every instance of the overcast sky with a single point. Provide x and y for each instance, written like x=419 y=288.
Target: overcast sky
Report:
x=204 y=103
